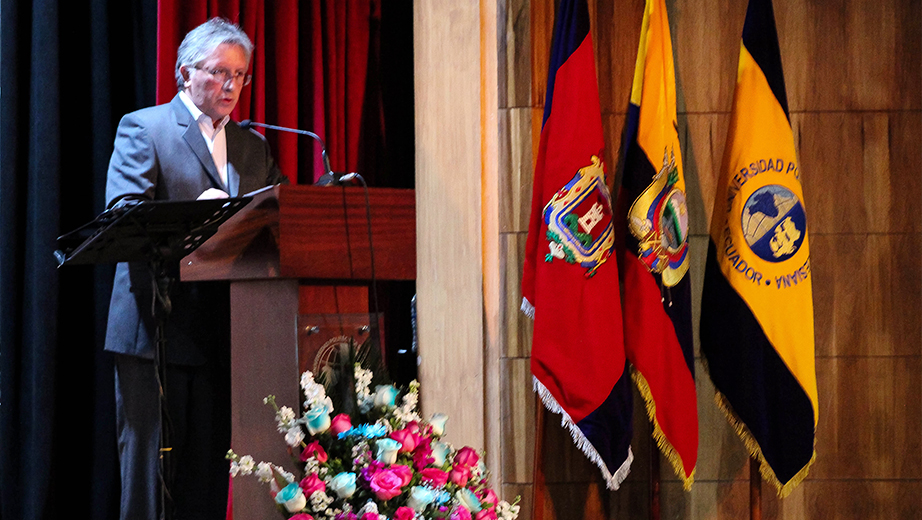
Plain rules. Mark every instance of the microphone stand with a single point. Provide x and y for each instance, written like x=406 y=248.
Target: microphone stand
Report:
x=246 y=124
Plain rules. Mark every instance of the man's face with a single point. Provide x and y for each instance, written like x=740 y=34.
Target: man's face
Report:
x=212 y=97
x=786 y=235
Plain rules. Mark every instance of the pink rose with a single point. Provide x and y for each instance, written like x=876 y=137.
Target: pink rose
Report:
x=422 y=456
x=405 y=474
x=404 y=513
x=407 y=439
x=460 y=513
x=386 y=484
x=459 y=475
x=371 y=515
x=466 y=456
x=434 y=477
x=315 y=450
x=301 y=516
x=341 y=423
x=311 y=484
x=413 y=426
x=486 y=514
x=489 y=498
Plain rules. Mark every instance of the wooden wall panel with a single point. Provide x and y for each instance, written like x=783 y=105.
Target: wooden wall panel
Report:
x=517 y=328
x=706 y=500
x=869 y=418
x=706 y=43
x=516 y=163
x=867 y=294
x=857 y=170
x=519 y=403
x=616 y=28
x=847 y=55
x=848 y=500
x=515 y=54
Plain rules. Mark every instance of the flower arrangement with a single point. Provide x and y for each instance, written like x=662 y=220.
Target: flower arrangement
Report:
x=376 y=460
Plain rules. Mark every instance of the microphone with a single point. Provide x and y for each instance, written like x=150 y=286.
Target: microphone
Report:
x=329 y=178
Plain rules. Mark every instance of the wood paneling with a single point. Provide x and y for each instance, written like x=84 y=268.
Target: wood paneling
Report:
x=515 y=54
x=517 y=327
x=518 y=421
x=517 y=165
x=847 y=55
x=848 y=500
x=869 y=418
x=867 y=294
x=616 y=29
x=857 y=170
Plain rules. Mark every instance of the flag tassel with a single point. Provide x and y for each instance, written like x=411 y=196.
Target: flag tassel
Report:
x=527 y=308
x=612 y=480
x=661 y=440
x=755 y=451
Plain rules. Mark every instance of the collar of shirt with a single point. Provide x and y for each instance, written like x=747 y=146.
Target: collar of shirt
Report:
x=209 y=130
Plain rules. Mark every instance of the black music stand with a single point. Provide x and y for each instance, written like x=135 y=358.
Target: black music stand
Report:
x=159 y=233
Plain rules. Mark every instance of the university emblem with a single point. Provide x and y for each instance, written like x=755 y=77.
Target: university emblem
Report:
x=774 y=223
x=658 y=218
x=578 y=217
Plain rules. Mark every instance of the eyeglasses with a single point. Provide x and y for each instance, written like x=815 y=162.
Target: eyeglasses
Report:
x=224 y=75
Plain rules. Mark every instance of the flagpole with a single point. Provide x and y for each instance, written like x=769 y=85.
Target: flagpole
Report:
x=538 y=490
x=654 y=477
x=755 y=490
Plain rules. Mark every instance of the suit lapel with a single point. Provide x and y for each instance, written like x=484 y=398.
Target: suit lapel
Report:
x=193 y=137
x=231 y=133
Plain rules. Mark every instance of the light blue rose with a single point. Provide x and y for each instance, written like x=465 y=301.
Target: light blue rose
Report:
x=438 y=424
x=468 y=499
x=292 y=498
x=385 y=395
x=421 y=497
x=318 y=419
x=387 y=451
x=439 y=452
x=343 y=484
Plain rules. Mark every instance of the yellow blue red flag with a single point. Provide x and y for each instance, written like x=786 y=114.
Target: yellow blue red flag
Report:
x=757 y=304
x=653 y=250
x=570 y=280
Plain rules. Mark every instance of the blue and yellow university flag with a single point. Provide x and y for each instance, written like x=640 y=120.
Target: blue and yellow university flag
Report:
x=653 y=250
x=757 y=304
x=570 y=278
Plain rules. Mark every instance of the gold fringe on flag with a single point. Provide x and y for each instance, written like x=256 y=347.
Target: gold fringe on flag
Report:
x=664 y=445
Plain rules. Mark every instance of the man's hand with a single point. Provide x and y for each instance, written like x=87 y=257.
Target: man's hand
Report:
x=213 y=193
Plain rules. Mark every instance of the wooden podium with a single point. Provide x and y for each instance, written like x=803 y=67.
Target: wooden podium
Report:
x=294 y=250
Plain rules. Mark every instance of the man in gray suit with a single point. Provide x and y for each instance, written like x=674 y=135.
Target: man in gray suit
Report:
x=186 y=149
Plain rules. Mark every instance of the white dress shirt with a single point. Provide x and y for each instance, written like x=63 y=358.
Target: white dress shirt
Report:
x=215 y=137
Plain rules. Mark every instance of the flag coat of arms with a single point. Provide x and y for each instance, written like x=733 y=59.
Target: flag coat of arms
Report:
x=570 y=281
x=653 y=250
x=757 y=304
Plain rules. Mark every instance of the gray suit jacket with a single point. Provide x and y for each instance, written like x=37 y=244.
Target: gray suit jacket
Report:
x=160 y=154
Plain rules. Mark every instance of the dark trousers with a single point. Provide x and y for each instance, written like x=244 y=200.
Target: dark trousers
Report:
x=198 y=408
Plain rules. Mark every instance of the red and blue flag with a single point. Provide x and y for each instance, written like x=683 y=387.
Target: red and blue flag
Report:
x=570 y=279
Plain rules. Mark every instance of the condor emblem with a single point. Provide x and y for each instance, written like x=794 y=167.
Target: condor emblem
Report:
x=659 y=221
x=578 y=218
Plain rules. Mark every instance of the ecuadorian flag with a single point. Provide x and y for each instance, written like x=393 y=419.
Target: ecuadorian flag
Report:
x=757 y=304
x=653 y=251
x=570 y=279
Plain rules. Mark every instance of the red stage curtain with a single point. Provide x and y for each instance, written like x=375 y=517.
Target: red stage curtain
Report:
x=309 y=69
